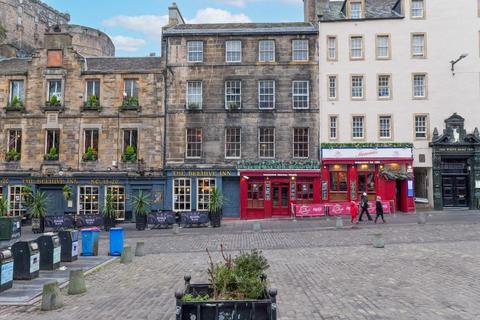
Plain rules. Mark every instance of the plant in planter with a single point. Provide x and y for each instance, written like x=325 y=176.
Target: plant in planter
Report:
x=109 y=213
x=92 y=102
x=9 y=225
x=16 y=103
x=52 y=154
x=215 y=207
x=129 y=155
x=194 y=106
x=90 y=155
x=141 y=206
x=237 y=287
x=130 y=103
x=12 y=155
x=37 y=207
x=54 y=102
x=67 y=193
x=233 y=106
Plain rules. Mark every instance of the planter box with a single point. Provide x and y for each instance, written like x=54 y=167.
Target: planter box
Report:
x=263 y=309
x=10 y=228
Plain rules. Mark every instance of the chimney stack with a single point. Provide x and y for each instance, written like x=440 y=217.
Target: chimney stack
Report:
x=174 y=15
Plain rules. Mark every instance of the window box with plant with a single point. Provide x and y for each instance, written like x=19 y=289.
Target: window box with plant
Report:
x=141 y=206
x=237 y=289
x=53 y=104
x=90 y=155
x=10 y=226
x=15 y=105
x=109 y=213
x=129 y=155
x=194 y=107
x=13 y=155
x=52 y=155
x=92 y=104
x=130 y=103
x=233 y=106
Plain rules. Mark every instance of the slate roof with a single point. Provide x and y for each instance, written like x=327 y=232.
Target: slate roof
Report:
x=374 y=9
x=240 y=29
x=14 y=66
x=123 y=65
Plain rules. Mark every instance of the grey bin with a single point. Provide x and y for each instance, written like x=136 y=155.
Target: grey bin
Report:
x=69 y=243
x=50 y=251
x=26 y=260
x=6 y=270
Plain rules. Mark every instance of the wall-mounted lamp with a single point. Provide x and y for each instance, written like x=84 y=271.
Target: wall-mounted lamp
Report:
x=454 y=62
x=246 y=178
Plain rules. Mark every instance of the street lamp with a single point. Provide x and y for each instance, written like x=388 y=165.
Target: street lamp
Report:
x=454 y=62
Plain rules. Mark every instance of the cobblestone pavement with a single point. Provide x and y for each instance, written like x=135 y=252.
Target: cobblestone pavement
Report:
x=425 y=272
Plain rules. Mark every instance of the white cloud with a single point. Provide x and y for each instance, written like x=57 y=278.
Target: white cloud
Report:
x=128 y=44
x=149 y=25
x=212 y=15
x=243 y=3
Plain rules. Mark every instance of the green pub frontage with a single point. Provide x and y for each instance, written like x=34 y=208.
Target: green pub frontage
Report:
x=456 y=166
x=82 y=194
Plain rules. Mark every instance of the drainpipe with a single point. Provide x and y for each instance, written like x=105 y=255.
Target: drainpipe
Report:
x=165 y=106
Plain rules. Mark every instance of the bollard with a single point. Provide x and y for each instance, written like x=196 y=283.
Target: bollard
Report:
x=421 y=218
x=140 y=249
x=378 y=241
x=127 y=255
x=257 y=226
x=338 y=222
x=76 y=284
x=51 y=297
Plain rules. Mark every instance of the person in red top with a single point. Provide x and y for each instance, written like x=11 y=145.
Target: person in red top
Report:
x=353 y=212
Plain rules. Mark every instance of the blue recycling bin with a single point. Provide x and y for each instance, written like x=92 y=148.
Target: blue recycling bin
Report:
x=116 y=241
x=90 y=241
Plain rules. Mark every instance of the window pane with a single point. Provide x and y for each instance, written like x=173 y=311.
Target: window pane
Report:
x=204 y=190
x=385 y=127
x=301 y=139
x=182 y=194
x=382 y=46
x=332 y=87
x=266 y=50
x=357 y=127
x=266 y=92
x=300 y=94
x=419 y=86
x=195 y=51
x=417 y=8
x=333 y=127
x=17 y=90
x=332 y=48
x=355 y=10
x=300 y=50
x=233 y=94
x=233 y=51
x=55 y=89
x=266 y=142
x=93 y=88
x=420 y=126
x=232 y=142
x=357 y=87
x=194 y=95
x=356 y=44
x=384 y=86
x=88 y=200
x=194 y=142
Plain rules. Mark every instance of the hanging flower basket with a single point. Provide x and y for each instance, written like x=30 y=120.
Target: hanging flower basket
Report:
x=392 y=175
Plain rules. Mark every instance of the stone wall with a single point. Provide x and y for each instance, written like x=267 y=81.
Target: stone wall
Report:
x=214 y=117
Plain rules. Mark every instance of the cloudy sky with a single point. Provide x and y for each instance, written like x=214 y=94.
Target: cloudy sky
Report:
x=135 y=25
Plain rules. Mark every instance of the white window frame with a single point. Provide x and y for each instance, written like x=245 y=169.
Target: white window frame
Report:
x=117 y=200
x=301 y=95
x=233 y=47
x=91 y=139
x=195 y=48
x=91 y=211
x=186 y=194
x=357 y=14
x=382 y=46
x=298 y=143
x=333 y=125
x=416 y=126
x=264 y=50
x=16 y=130
x=419 y=50
x=414 y=9
x=416 y=86
x=332 y=48
x=132 y=89
x=187 y=156
x=381 y=86
x=14 y=194
x=334 y=88
x=353 y=87
x=356 y=127
x=196 y=97
x=268 y=143
x=260 y=95
x=381 y=128
x=354 y=48
x=229 y=95
x=58 y=94
x=236 y=143
x=300 y=48
x=130 y=134
x=204 y=205
x=56 y=139
x=19 y=95
x=94 y=93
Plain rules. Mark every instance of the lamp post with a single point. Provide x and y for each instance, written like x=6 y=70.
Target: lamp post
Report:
x=454 y=62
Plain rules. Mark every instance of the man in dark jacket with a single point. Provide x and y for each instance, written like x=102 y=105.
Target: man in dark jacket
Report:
x=379 y=207
x=364 y=206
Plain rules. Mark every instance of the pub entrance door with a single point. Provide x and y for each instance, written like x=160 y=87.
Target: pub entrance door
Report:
x=280 y=199
x=455 y=191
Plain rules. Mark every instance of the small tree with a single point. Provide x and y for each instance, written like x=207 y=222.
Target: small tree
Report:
x=16 y=102
x=38 y=205
x=4 y=207
x=90 y=155
x=52 y=154
x=141 y=203
x=109 y=211
x=130 y=154
x=67 y=192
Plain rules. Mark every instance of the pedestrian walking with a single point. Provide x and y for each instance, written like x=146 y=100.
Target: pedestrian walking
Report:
x=364 y=206
x=353 y=212
x=379 y=208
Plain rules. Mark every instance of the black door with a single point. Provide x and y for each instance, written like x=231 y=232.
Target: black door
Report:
x=55 y=201
x=455 y=191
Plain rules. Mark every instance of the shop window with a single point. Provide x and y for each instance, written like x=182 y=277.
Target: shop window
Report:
x=52 y=144
x=255 y=195
x=366 y=178
x=194 y=143
x=88 y=203
x=182 y=196
x=304 y=193
x=266 y=142
x=205 y=186
x=118 y=199
x=233 y=143
x=16 y=201
x=338 y=178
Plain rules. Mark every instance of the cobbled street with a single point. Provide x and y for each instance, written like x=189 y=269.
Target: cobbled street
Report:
x=425 y=272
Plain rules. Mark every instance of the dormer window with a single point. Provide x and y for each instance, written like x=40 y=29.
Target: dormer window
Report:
x=417 y=9
x=356 y=10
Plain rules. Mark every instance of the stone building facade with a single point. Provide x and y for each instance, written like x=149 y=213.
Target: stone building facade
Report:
x=241 y=97
x=23 y=24
x=69 y=121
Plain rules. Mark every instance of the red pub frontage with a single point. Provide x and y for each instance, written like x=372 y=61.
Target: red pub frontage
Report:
x=271 y=193
x=379 y=171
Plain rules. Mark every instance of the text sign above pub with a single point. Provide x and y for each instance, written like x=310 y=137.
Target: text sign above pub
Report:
x=368 y=153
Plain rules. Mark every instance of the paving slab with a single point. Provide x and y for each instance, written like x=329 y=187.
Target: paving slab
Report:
x=28 y=292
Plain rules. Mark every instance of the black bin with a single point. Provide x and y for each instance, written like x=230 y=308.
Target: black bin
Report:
x=69 y=243
x=26 y=260
x=50 y=251
x=6 y=270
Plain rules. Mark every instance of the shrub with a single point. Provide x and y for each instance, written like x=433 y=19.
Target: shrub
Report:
x=52 y=154
x=16 y=103
x=130 y=102
x=92 y=102
x=130 y=154
x=90 y=155
x=12 y=155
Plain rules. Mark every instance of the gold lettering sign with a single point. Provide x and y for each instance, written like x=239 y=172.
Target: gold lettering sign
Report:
x=201 y=173
x=49 y=181
x=104 y=182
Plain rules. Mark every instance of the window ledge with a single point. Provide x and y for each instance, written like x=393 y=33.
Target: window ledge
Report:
x=53 y=108
x=14 y=109
x=130 y=108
